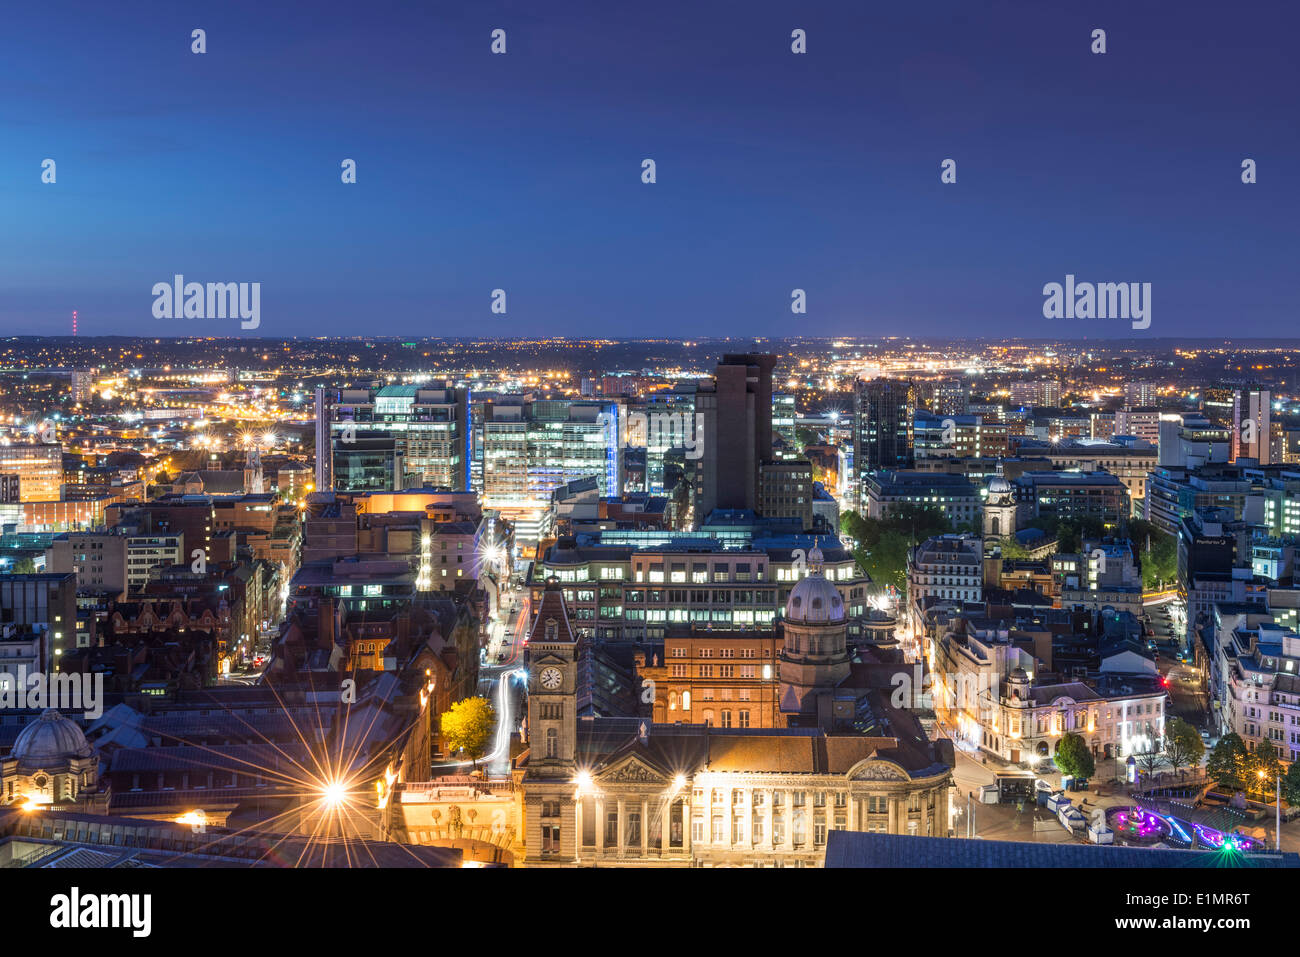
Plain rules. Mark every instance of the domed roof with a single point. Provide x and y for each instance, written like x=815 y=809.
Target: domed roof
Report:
x=814 y=599
x=51 y=740
x=998 y=485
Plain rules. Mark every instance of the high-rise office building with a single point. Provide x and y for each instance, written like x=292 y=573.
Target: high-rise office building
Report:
x=1140 y=423
x=670 y=430
x=737 y=433
x=1217 y=405
x=83 y=385
x=368 y=461
x=324 y=445
x=531 y=447
x=1042 y=393
x=945 y=396
x=784 y=412
x=883 y=414
x=1140 y=394
x=1252 y=427
x=429 y=428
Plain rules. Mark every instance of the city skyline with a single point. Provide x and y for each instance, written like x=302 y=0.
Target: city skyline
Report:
x=678 y=437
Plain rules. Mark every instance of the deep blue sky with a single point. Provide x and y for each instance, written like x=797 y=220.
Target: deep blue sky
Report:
x=775 y=171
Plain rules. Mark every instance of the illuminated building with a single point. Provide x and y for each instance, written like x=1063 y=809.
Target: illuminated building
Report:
x=429 y=428
x=39 y=468
x=531 y=448
x=671 y=424
x=954 y=495
x=957 y=436
x=999 y=508
x=784 y=413
x=949 y=566
x=1252 y=431
x=1142 y=424
x=632 y=585
x=368 y=462
x=611 y=791
x=324 y=442
x=1044 y=393
x=1140 y=394
x=985 y=694
x=1073 y=495
x=50 y=763
x=1129 y=461
x=48 y=599
x=883 y=413
x=786 y=491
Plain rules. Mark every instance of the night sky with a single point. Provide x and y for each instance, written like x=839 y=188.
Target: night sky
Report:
x=775 y=171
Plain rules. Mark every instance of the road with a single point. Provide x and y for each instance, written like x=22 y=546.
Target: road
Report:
x=505 y=684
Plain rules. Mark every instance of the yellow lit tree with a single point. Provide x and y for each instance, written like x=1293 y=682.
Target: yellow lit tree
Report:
x=467 y=727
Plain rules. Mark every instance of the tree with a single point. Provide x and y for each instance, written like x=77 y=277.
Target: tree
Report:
x=1069 y=533
x=883 y=543
x=1183 y=744
x=1291 y=784
x=806 y=437
x=22 y=566
x=1148 y=761
x=468 y=727
x=1074 y=757
x=1013 y=550
x=1228 y=761
x=1158 y=552
x=1262 y=767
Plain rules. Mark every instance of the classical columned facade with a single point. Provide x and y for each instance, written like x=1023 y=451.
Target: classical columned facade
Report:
x=636 y=815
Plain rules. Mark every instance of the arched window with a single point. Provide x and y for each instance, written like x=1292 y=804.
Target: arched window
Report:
x=552 y=743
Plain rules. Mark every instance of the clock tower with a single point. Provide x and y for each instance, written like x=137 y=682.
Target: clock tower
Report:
x=550 y=810
x=552 y=689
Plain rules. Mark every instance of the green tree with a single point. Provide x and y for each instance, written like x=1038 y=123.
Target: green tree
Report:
x=1227 y=763
x=20 y=566
x=806 y=437
x=1291 y=784
x=1013 y=550
x=1262 y=767
x=467 y=727
x=1074 y=757
x=1157 y=551
x=1183 y=744
x=883 y=544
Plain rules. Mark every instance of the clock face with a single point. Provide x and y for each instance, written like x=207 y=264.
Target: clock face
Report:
x=551 y=678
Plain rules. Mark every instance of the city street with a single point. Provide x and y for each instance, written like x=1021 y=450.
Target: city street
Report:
x=503 y=682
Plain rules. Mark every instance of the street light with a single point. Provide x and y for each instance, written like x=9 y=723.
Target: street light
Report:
x=1277 y=827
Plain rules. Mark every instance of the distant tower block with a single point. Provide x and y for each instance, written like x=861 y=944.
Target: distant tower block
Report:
x=74 y=323
x=324 y=451
x=253 y=482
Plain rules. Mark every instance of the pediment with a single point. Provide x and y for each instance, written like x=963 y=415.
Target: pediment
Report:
x=877 y=769
x=632 y=770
